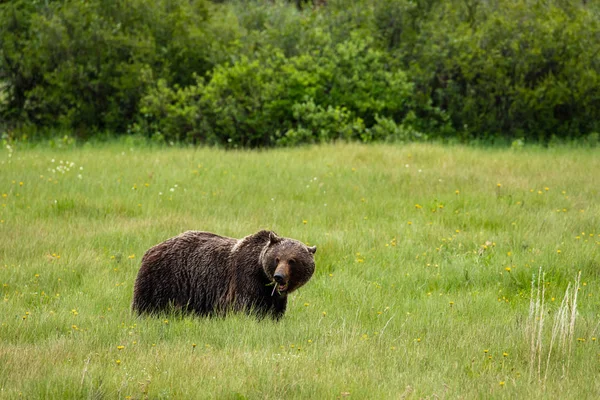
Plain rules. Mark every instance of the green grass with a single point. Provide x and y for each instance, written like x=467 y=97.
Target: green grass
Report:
x=407 y=300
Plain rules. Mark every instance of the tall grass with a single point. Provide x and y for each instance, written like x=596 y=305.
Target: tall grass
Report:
x=422 y=288
x=562 y=330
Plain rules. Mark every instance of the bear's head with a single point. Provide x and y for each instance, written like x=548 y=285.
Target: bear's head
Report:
x=287 y=263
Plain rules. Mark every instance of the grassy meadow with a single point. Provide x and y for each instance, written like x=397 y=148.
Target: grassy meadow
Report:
x=423 y=288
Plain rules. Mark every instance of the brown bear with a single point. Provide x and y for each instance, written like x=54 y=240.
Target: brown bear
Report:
x=208 y=274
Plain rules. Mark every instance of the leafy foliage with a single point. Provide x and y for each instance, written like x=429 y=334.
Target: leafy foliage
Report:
x=523 y=69
x=263 y=73
x=275 y=99
x=86 y=65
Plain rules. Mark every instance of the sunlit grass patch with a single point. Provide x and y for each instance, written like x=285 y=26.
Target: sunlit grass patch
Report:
x=423 y=281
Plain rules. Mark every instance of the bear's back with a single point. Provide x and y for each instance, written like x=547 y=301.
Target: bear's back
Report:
x=186 y=271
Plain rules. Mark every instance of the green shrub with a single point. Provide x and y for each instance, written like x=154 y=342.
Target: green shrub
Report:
x=248 y=103
x=360 y=78
x=519 y=69
x=85 y=65
x=386 y=129
x=593 y=139
x=261 y=72
x=170 y=113
x=316 y=124
x=335 y=93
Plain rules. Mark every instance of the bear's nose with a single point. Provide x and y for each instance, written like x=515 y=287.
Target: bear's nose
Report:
x=279 y=278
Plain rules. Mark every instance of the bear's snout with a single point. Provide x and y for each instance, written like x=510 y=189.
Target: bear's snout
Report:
x=282 y=276
x=279 y=278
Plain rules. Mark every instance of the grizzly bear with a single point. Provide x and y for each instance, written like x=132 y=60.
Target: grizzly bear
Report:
x=208 y=274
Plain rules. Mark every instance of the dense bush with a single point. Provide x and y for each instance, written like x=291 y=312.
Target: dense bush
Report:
x=261 y=73
x=85 y=65
x=338 y=92
x=523 y=69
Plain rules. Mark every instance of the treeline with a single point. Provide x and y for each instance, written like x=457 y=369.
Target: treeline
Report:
x=264 y=73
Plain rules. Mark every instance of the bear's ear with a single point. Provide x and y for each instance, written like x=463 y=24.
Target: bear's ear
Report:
x=313 y=249
x=273 y=238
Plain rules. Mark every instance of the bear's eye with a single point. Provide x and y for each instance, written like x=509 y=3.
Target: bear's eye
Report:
x=277 y=260
x=292 y=261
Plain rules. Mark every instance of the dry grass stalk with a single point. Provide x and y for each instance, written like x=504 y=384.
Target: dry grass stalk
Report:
x=535 y=322
x=563 y=327
x=573 y=317
x=558 y=327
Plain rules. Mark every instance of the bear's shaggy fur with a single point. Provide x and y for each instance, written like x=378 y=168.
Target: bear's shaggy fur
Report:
x=210 y=274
